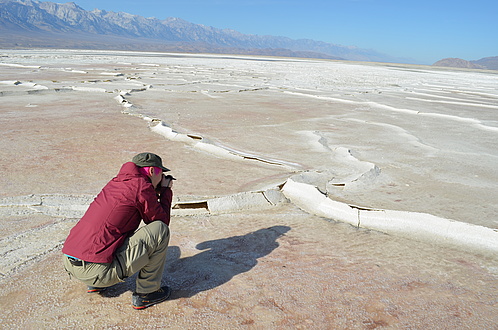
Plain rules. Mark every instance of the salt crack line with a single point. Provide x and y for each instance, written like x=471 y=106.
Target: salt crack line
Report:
x=75 y=206
x=21 y=65
x=114 y=74
x=72 y=206
x=363 y=168
x=354 y=169
x=451 y=100
x=474 y=122
x=198 y=142
x=39 y=87
x=411 y=139
x=89 y=89
x=413 y=225
x=123 y=101
x=15 y=253
x=23 y=84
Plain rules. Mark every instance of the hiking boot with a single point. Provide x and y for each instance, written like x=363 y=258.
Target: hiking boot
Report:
x=93 y=289
x=144 y=300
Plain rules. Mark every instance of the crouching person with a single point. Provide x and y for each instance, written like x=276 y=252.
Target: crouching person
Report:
x=105 y=247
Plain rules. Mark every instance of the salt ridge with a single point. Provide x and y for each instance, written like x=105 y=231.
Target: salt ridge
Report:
x=475 y=122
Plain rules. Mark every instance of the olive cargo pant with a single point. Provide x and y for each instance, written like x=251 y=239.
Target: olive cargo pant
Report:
x=143 y=252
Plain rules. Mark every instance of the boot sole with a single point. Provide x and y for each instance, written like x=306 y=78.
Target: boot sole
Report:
x=154 y=302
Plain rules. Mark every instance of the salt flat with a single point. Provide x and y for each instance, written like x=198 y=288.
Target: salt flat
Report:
x=426 y=136
x=380 y=137
x=431 y=134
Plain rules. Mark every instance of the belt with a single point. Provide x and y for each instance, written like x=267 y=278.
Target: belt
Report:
x=75 y=261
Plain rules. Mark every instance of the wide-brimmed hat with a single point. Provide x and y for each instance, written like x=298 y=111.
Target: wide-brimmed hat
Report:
x=145 y=159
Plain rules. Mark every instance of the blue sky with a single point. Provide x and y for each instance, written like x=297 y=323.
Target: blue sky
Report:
x=423 y=30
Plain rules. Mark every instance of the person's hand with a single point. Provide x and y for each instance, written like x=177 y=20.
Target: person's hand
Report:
x=167 y=181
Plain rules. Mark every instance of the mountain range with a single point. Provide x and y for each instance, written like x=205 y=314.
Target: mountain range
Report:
x=35 y=24
x=29 y=23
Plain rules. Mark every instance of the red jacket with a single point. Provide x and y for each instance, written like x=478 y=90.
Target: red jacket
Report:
x=115 y=214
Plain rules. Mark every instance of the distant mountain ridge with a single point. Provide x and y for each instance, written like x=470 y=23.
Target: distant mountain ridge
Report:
x=457 y=63
x=489 y=63
x=29 y=23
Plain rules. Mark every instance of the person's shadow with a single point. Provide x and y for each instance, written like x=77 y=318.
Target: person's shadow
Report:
x=221 y=260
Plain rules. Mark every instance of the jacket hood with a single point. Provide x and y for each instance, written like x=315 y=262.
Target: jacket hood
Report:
x=129 y=171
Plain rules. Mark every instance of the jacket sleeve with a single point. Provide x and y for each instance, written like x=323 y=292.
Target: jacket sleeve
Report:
x=155 y=207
